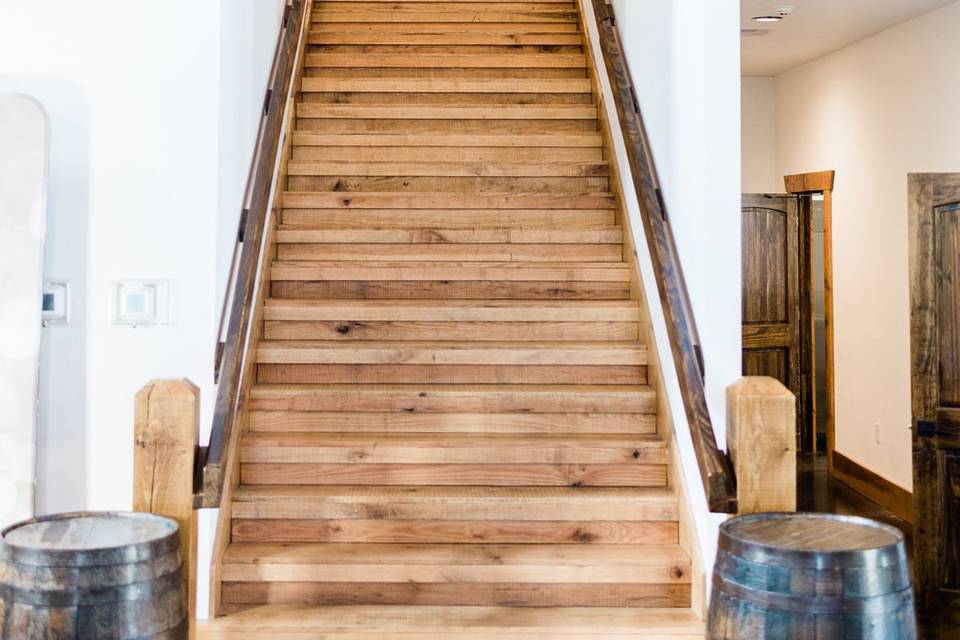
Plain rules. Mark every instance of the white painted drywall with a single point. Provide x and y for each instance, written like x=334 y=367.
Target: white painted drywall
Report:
x=23 y=218
x=684 y=56
x=759 y=144
x=248 y=39
x=874 y=111
x=153 y=112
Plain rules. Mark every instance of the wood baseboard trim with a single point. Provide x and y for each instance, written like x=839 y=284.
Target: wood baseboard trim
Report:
x=888 y=495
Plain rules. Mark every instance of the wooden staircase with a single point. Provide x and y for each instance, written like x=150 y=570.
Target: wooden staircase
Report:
x=451 y=432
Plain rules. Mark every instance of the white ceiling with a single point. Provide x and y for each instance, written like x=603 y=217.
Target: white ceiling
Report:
x=817 y=27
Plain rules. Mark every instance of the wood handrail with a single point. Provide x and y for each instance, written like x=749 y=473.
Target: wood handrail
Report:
x=241 y=287
x=716 y=472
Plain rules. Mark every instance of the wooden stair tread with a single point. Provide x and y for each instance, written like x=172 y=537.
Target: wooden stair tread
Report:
x=468 y=623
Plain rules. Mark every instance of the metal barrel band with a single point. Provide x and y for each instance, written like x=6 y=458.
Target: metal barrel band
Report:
x=851 y=581
x=133 y=592
x=33 y=577
x=813 y=605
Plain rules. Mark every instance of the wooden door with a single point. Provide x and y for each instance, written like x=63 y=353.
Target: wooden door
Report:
x=771 y=290
x=935 y=374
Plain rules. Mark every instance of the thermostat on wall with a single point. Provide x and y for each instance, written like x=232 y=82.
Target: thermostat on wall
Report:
x=141 y=302
x=56 y=302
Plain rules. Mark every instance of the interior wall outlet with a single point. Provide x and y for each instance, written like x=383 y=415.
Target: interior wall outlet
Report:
x=876 y=432
x=138 y=303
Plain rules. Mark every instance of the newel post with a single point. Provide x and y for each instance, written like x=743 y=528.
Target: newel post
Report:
x=761 y=438
x=166 y=431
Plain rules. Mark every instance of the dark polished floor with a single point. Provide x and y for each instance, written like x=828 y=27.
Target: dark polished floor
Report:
x=816 y=491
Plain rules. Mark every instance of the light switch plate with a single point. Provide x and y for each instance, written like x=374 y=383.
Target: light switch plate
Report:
x=56 y=302
x=138 y=303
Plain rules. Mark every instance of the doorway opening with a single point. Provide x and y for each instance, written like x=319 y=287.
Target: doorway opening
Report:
x=787 y=300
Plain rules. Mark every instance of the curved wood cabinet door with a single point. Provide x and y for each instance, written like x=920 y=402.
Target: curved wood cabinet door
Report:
x=935 y=376
x=771 y=288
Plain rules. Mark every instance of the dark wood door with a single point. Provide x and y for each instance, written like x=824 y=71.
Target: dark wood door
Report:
x=771 y=290
x=935 y=374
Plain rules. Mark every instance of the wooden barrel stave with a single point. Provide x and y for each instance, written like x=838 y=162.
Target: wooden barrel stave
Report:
x=131 y=592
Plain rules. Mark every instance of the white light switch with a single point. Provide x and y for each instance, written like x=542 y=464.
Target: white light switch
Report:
x=56 y=302
x=139 y=303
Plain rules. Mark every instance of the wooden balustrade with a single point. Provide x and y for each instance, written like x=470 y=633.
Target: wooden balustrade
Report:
x=762 y=441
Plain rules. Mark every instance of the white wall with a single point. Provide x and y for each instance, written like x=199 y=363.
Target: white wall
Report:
x=151 y=135
x=133 y=185
x=248 y=39
x=759 y=145
x=874 y=111
x=685 y=59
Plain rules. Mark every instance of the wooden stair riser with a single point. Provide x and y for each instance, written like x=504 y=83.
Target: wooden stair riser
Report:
x=494 y=475
x=452 y=593
x=479 y=331
x=453 y=374
x=455 y=503
x=478 y=290
x=339 y=422
x=454 y=532
x=446 y=154
x=449 y=399
x=463 y=449
x=344 y=182
x=453 y=252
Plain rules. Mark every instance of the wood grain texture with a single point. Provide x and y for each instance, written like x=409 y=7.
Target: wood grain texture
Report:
x=761 y=423
x=166 y=434
x=772 y=317
x=934 y=202
x=808 y=184
x=447 y=375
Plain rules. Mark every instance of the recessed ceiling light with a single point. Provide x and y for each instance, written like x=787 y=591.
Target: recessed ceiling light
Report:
x=767 y=18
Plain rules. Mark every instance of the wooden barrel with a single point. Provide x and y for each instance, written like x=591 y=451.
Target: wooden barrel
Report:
x=92 y=575
x=811 y=575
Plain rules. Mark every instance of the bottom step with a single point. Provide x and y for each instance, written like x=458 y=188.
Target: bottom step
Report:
x=278 y=622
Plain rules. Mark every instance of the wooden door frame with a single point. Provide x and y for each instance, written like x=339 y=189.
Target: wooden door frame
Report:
x=809 y=184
